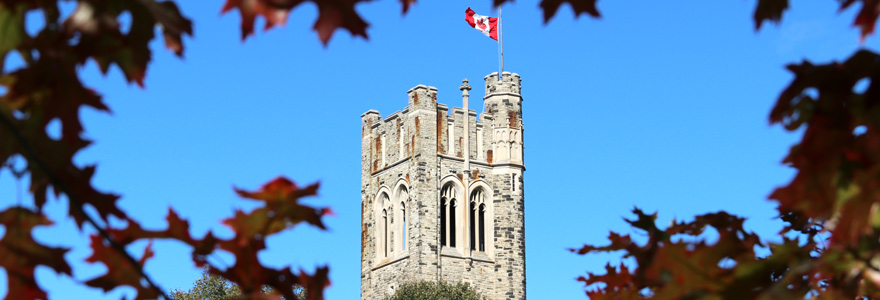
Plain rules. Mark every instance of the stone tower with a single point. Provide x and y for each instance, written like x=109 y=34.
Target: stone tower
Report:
x=442 y=193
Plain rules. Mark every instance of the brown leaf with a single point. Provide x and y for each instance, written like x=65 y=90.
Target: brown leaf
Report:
x=867 y=16
x=119 y=270
x=769 y=10
x=20 y=254
x=332 y=14
x=282 y=208
x=406 y=4
x=579 y=6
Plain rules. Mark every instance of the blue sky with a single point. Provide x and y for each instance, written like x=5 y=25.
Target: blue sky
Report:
x=660 y=105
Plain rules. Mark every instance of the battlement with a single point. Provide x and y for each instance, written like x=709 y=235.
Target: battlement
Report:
x=494 y=137
x=510 y=83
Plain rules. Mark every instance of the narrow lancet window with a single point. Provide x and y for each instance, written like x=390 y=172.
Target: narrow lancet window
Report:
x=473 y=231
x=482 y=229
x=385 y=233
x=443 y=222
x=452 y=207
x=403 y=225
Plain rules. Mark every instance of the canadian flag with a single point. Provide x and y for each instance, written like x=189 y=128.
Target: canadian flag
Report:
x=485 y=24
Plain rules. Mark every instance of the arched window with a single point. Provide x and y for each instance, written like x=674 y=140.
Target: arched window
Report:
x=452 y=207
x=478 y=220
x=400 y=218
x=448 y=215
x=482 y=229
x=383 y=226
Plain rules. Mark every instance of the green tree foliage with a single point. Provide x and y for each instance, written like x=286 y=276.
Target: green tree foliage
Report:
x=428 y=290
x=208 y=287
x=830 y=245
x=213 y=287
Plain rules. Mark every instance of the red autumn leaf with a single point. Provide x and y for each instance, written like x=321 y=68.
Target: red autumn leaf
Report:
x=675 y=263
x=867 y=16
x=769 y=10
x=119 y=270
x=102 y=39
x=282 y=208
x=20 y=254
x=579 y=6
x=281 y=197
x=178 y=229
x=406 y=4
x=332 y=14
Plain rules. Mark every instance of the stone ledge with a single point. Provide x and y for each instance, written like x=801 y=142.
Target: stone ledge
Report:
x=377 y=173
x=381 y=265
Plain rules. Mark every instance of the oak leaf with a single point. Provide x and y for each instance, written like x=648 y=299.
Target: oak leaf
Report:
x=579 y=6
x=20 y=254
x=332 y=14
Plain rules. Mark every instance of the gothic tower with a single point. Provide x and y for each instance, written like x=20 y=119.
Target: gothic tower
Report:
x=442 y=193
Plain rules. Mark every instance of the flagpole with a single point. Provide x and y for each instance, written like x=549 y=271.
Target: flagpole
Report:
x=501 y=41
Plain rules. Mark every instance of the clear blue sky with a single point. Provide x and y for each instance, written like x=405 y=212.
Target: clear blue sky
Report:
x=660 y=105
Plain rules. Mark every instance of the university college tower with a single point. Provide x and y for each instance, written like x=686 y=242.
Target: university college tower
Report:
x=442 y=193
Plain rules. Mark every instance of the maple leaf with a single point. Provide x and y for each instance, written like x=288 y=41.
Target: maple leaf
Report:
x=579 y=6
x=20 y=254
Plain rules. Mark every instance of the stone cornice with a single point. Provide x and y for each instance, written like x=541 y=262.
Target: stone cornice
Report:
x=378 y=173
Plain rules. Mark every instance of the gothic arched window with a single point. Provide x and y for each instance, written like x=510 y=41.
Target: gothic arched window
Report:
x=482 y=228
x=478 y=215
x=383 y=224
x=400 y=218
x=448 y=216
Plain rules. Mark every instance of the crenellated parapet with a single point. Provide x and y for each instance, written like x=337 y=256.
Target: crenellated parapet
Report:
x=496 y=137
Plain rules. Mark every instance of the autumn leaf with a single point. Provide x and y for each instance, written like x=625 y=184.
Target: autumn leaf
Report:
x=332 y=14
x=579 y=6
x=769 y=10
x=20 y=254
x=119 y=270
x=281 y=197
x=867 y=16
x=406 y=4
x=282 y=208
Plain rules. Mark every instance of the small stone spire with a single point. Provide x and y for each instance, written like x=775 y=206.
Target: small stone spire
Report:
x=465 y=87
